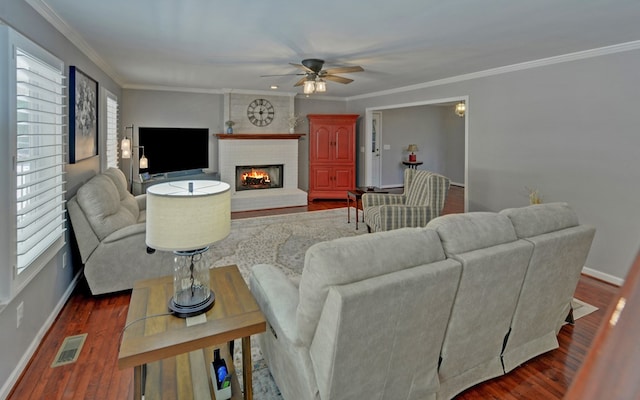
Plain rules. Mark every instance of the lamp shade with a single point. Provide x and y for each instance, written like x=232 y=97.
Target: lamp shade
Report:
x=125 y=148
x=182 y=220
x=309 y=87
x=412 y=148
x=321 y=85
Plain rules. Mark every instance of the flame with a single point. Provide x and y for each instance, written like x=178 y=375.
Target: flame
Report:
x=256 y=174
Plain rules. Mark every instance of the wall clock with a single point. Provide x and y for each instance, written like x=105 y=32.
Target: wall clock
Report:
x=260 y=112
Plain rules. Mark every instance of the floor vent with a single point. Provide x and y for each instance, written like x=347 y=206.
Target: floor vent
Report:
x=69 y=350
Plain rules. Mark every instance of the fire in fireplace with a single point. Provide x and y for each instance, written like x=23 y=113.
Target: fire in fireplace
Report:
x=252 y=177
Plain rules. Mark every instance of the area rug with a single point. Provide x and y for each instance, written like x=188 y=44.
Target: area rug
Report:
x=581 y=309
x=282 y=241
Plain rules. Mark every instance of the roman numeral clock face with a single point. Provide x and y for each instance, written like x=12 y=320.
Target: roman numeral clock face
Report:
x=260 y=112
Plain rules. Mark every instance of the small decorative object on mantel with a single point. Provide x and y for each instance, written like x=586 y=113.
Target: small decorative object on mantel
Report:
x=229 y=125
x=534 y=196
x=293 y=121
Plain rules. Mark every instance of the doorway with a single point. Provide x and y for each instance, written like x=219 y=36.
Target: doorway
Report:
x=375 y=145
x=376 y=139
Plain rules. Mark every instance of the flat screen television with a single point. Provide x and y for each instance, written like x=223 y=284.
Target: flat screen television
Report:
x=174 y=149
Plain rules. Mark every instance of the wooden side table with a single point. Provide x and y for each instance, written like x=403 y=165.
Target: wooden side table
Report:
x=356 y=196
x=151 y=334
x=412 y=164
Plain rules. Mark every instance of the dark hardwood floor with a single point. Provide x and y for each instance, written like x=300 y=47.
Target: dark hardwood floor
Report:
x=96 y=376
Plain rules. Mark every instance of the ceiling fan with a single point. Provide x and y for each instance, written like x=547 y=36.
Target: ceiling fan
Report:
x=314 y=74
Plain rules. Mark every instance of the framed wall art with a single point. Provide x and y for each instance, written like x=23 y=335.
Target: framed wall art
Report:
x=83 y=116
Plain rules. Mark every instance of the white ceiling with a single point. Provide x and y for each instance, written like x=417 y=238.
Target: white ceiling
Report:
x=217 y=45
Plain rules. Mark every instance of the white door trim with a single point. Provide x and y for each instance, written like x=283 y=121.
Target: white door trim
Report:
x=368 y=162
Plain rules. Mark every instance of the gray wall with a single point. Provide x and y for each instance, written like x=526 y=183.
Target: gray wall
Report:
x=182 y=109
x=568 y=130
x=439 y=137
x=47 y=290
x=153 y=108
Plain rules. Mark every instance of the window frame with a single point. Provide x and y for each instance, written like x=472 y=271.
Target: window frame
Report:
x=15 y=282
x=107 y=96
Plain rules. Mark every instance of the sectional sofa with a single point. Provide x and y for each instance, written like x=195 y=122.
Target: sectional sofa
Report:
x=422 y=313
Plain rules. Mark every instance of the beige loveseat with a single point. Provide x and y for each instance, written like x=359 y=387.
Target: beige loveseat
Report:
x=109 y=226
x=422 y=313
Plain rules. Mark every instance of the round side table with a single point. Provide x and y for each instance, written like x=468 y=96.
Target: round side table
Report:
x=412 y=164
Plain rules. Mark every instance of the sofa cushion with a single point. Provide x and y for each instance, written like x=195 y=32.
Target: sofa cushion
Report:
x=461 y=233
x=353 y=259
x=127 y=200
x=100 y=202
x=538 y=219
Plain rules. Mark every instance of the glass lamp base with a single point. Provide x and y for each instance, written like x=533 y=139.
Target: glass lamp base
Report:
x=186 y=311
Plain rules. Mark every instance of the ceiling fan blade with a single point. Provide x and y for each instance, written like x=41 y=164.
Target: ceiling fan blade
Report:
x=302 y=67
x=266 y=76
x=300 y=82
x=343 y=70
x=339 y=79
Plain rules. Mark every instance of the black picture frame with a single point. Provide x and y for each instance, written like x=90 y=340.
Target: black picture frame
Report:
x=83 y=116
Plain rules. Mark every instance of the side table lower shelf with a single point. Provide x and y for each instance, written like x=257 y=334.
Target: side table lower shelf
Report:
x=186 y=376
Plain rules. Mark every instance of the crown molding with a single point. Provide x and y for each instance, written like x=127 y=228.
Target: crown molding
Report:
x=61 y=25
x=579 y=55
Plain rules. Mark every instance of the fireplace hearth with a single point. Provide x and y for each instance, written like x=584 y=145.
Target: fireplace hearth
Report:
x=257 y=177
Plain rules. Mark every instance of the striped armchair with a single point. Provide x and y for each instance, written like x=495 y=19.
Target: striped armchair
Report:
x=423 y=199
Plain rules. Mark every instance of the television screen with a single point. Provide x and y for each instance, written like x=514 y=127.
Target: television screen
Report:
x=175 y=149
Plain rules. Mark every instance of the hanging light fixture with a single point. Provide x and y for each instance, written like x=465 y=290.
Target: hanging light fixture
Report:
x=144 y=162
x=309 y=87
x=321 y=85
x=461 y=108
x=125 y=148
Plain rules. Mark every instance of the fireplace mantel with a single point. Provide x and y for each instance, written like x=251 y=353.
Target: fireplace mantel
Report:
x=259 y=136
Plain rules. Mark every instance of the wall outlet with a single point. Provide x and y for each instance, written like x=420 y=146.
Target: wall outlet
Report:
x=20 y=313
x=64 y=260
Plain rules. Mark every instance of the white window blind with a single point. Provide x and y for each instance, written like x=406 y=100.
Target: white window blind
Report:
x=112 y=131
x=40 y=156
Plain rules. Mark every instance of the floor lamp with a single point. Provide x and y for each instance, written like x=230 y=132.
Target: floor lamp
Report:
x=125 y=151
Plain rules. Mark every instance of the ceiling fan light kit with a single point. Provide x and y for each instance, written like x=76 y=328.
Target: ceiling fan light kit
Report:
x=314 y=79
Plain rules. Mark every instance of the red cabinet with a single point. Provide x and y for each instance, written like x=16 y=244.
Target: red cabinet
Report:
x=332 y=155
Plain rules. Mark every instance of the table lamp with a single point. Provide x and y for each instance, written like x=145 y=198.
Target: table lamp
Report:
x=412 y=148
x=186 y=217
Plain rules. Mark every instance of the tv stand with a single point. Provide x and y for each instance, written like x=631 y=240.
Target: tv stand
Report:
x=141 y=187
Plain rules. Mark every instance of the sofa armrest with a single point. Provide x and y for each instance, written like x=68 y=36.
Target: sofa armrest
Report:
x=125 y=233
x=395 y=216
x=86 y=238
x=277 y=297
x=141 y=199
x=378 y=199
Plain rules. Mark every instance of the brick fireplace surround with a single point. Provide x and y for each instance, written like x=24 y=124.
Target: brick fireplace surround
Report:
x=261 y=149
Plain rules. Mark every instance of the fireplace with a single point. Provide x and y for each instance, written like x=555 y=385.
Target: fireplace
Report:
x=256 y=177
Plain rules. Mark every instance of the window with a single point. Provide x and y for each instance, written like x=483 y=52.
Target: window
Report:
x=37 y=127
x=112 y=130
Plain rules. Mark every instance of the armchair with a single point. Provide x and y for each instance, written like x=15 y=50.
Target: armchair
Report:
x=423 y=200
x=109 y=227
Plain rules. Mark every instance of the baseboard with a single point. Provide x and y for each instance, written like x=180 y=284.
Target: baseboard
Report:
x=614 y=280
x=31 y=350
